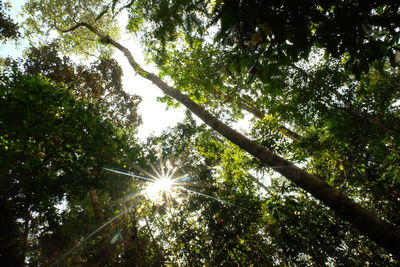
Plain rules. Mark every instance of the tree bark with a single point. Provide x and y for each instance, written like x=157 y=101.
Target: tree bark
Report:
x=380 y=231
x=106 y=250
x=96 y=206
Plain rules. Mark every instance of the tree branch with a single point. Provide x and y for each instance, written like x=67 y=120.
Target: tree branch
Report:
x=382 y=232
x=389 y=127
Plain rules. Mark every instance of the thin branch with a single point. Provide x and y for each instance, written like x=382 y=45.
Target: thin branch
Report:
x=254 y=179
x=389 y=127
x=260 y=114
x=73 y=28
x=249 y=107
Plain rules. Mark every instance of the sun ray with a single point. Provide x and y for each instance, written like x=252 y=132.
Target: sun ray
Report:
x=162 y=166
x=169 y=169
x=215 y=198
x=130 y=174
x=184 y=184
x=157 y=189
x=182 y=178
x=77 y=245
x=175 y=166
x=162 y=171
x=145 y=172
x=167 y=174
x=155 y=170
x=173 y=171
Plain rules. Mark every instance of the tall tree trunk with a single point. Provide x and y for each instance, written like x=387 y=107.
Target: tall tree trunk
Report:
x=380 y=231
x=98 y=213
x=96 y=206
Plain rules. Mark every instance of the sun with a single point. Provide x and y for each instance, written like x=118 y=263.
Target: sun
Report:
x=162 y=186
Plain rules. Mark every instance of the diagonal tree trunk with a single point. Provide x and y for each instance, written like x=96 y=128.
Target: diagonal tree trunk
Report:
x=380 y=231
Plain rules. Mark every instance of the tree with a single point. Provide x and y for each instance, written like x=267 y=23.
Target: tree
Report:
x=220 y=205
x=52 y=148
x=100 y=82
x=360 y=32
x=306 y=100
x=378 y=230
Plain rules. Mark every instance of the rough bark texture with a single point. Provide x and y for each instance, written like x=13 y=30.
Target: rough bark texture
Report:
x=380 y=231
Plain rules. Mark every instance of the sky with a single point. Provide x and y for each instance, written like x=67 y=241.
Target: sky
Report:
x=155 y=115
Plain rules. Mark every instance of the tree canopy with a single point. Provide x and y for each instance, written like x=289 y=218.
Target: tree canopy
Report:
x=53 y=148
x=312 y=179
x=100 y=82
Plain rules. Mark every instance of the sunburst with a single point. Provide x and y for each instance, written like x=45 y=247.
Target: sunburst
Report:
x=160 y=188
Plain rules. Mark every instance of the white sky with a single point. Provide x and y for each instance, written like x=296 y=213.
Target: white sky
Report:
x=156 y=117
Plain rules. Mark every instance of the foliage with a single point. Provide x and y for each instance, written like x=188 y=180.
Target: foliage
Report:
x=336 y=117
x=239 y=224
x=361 y=34
x=100 y=82
x=317 y=101
x=49 y=14
x=53 y=148
x=8 y=28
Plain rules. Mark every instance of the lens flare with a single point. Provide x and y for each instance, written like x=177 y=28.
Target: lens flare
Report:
x=160 y=188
